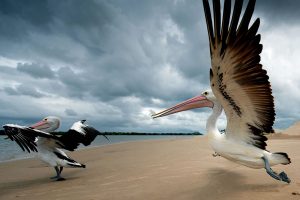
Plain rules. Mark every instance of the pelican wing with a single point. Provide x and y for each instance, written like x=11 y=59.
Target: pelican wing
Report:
x=79 y=133
x=25 y=137
x=236 y=75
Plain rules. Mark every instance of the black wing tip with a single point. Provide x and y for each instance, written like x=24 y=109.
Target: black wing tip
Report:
x=95 y=132
x=22 y=137
x=258 y=137
x=225 y=28
x=286 y=156
x=72 y=139
x=209 y=23
x=217 y=19
x=256 y=22
x=91 y=134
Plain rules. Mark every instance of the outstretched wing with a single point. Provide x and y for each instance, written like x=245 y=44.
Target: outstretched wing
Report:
x=236 y=75
x=79 y=133
x=25 y=137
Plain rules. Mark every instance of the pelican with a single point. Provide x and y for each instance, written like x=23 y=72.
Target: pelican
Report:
x=37 y=138
x=240 y=87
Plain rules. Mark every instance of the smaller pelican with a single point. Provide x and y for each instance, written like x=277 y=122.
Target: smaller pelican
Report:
x=37 y=138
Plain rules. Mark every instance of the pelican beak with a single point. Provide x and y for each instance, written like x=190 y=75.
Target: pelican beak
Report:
x=41 y=125
x=195 y=102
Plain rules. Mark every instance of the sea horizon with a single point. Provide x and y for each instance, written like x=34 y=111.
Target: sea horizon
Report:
x=10 y=151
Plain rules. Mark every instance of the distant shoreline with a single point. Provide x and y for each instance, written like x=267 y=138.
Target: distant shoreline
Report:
x=138 y=133
x=125 y=133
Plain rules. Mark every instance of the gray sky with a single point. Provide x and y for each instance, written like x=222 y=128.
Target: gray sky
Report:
x=112 y=62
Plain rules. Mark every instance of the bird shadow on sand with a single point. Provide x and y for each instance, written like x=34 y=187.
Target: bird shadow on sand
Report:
x=227 y=184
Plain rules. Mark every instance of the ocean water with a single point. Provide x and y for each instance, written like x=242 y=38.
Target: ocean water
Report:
x=9 y=150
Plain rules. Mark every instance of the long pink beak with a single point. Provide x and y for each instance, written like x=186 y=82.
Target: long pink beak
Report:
x=41 y=125
x=195 y=102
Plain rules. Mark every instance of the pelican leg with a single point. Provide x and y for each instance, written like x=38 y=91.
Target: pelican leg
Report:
x=58 y=172
x=281 y=176
x=54 y=177
x=60 y=169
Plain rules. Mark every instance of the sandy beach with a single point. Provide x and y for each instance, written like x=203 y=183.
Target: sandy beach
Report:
x=180 y=168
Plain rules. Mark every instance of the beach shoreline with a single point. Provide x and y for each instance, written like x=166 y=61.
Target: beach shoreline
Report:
x=25 y=155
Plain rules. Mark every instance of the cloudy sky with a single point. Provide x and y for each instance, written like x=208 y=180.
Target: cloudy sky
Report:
x=112 y=62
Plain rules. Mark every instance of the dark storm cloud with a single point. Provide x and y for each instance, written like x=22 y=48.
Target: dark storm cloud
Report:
x=24 y=90
x=11 y=91
x=70 y=112
x=69 y=77
x=118 y=43
x=118 y=54
x=36 y=70
x=278 y=11
x=18 y=17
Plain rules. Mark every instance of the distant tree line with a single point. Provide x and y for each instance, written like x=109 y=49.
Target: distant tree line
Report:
x=126 y=133
x=136 y=133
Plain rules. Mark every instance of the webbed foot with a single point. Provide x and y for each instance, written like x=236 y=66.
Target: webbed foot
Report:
x=281 y=177
x=60 y=179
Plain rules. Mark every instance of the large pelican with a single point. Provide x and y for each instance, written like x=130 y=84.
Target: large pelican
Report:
x=240 y=87
x=37 y=138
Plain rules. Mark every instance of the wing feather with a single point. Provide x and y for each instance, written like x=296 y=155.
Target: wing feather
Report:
x=237 y=78
x=78 y=134
x=217 y=19
x=25 y=136
x=235 y=19
x=208 y=22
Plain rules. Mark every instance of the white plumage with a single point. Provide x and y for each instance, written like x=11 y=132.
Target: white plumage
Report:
x=48 y=147
x=240 y=87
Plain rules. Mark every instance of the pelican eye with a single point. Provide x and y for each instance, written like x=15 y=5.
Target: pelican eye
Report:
x=205 y=93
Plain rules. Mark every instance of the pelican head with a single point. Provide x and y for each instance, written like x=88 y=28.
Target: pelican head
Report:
x=209 y=96
x=48 y=124
x=205 y=99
